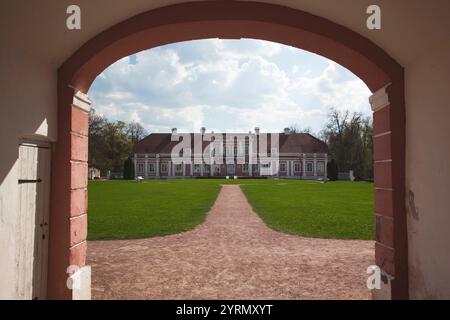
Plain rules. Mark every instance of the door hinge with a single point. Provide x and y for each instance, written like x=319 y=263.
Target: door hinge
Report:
x=29 y=181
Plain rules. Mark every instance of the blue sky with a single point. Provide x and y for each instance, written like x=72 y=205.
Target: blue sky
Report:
x=226 y=86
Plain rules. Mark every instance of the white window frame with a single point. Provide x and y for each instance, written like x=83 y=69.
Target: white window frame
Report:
x=163 y=166
x=309 y=164
x=297 y=165
x=179 y=168
x=151 y=167
x=283 y=164
x=320 y=167
x=197 y=168
x=140 y=167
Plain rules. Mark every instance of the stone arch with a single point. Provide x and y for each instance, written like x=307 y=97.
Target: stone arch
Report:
x=228 y=20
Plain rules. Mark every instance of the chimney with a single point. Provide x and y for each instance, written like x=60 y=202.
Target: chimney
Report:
x=174 y=130
x=287 y=131
x=257 y=130
x=203 y=130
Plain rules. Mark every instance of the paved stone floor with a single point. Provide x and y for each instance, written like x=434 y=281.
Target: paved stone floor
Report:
x=232 y=255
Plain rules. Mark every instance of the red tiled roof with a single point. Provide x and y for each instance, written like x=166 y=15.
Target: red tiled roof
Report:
x=159 y=143
x=301 y=143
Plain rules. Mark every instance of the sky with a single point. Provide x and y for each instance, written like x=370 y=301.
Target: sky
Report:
x=226 y=86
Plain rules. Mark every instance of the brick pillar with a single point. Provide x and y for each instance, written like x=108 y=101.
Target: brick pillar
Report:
x=390 y=213
x=68 y=217
x=79 y=161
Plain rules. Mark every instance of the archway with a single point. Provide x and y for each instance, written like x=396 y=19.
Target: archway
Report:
x=228 y=20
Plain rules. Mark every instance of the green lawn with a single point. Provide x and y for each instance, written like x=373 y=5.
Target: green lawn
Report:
x=127 y=210
x=121 y=209
x=338 y=210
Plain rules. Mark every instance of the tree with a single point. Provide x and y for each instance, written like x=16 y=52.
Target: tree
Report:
x=367 y=139
x=294 y=129
x=136 y=132
x=118 y=144
x=332 y=170
x=111 y=143
x=349 y=139
x=97 y=148
x=128 y=169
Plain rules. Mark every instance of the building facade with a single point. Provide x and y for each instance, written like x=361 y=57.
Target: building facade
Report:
x=282 y=155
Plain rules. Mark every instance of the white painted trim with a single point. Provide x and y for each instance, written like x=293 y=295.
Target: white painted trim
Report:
x=78 y=216
x=146 y=171
x=384 y=216
x=384 y=245
x=379 y=99
x=78 y=244
x=81 y=282
x=382 y=134
x=135 y=164
x=82 y=101
x=315 y=165
x=304 y=165
x=157 y=165
x=385 y=189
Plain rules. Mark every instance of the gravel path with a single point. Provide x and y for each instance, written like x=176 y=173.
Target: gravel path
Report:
x=232 y=255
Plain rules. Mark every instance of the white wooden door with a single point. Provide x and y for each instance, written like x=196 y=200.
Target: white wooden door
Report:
x=34 y=197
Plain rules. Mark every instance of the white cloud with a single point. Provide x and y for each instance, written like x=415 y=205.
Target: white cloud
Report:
x=231 y=85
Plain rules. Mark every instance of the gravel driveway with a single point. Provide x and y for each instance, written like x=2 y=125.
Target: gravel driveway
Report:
x=232 y=255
